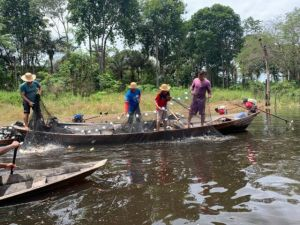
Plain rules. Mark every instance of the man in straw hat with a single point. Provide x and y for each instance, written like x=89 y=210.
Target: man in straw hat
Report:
x=132 y=102
x=199 y=88
x=29 y=91
x=161 y=102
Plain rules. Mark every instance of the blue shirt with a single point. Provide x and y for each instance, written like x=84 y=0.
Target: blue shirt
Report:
x=133 y=99
x=30 y=91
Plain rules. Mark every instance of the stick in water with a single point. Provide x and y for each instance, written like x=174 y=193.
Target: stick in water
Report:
x=287 y=121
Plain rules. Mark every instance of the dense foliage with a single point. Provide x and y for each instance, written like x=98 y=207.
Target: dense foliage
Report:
x=72 y=45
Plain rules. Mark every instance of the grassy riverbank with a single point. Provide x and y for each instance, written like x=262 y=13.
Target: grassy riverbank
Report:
x=66 y=105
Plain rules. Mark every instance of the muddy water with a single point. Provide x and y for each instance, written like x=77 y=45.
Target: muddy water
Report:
x=248 y=178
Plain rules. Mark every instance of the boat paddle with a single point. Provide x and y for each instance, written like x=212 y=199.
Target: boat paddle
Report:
x=278 y=117
x=14 y=158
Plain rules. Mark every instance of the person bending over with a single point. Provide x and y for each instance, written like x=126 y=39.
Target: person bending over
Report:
x=161 y=102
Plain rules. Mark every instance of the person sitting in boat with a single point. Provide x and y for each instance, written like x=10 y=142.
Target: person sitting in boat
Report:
x=30 y=90
x=5 y=149
x=132 y=103
x=221 y=110
x=250 y=104
x=161 y=102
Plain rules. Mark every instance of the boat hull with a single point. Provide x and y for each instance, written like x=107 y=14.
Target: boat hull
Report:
x=54 y=183
x=232 y=126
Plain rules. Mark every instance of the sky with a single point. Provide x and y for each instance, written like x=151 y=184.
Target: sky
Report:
x=264 y=10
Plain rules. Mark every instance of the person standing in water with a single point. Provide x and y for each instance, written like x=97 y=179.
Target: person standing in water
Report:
x=199 y=88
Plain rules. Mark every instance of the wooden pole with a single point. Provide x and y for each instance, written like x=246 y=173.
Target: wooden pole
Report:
x=267 y=90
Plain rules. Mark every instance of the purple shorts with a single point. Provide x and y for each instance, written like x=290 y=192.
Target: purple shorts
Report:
x=198 y=106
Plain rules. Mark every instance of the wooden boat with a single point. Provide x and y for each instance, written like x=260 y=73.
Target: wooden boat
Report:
x=224 y=125
x=20 y=185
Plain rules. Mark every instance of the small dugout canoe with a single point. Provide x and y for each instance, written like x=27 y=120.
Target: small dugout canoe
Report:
x=20 y=185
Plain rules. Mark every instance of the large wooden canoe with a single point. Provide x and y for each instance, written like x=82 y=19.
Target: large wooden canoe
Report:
x=109 y=137
x=20 y=185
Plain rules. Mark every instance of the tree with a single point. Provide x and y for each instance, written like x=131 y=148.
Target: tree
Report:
x=24 y=22
x=56 y=11
x=251 y=57
x=102 y=20
x=161 y=30
x=252 y=26
x=288 y=43
x=215 y=36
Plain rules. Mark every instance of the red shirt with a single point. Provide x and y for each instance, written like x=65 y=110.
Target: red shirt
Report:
x=221 y=111
x=162 y=100
x=249 y=105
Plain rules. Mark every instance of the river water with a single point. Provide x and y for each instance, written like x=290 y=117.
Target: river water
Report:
x=247 y=178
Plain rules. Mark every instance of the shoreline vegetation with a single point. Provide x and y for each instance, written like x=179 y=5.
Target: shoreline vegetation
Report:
x=64 y=106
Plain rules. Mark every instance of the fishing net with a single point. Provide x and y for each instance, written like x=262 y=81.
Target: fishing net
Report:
x=138 y=127
x=208 y=127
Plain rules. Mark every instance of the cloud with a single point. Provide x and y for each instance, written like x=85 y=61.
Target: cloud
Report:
x=259 y=9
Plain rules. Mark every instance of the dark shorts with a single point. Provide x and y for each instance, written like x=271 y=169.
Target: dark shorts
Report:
x=198 y=106
x=26 y=107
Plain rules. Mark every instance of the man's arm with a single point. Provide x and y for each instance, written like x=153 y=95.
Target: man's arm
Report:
x=209 y=89
x=26 y=99
x=39 y=89
x=156 y=104
x=7 y=165
x=7 y=148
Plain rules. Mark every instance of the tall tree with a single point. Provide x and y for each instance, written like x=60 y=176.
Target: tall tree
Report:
x=215 y=35
x=58 y=15
x=161 y=30
x=288 y=43
x=24 y=22
x=102 y=20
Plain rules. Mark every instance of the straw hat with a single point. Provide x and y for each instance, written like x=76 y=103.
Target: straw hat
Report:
x=165 y=87
x=133 y=85
x=28 y=77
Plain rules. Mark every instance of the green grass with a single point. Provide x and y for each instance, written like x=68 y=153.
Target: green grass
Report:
x=66 y=105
